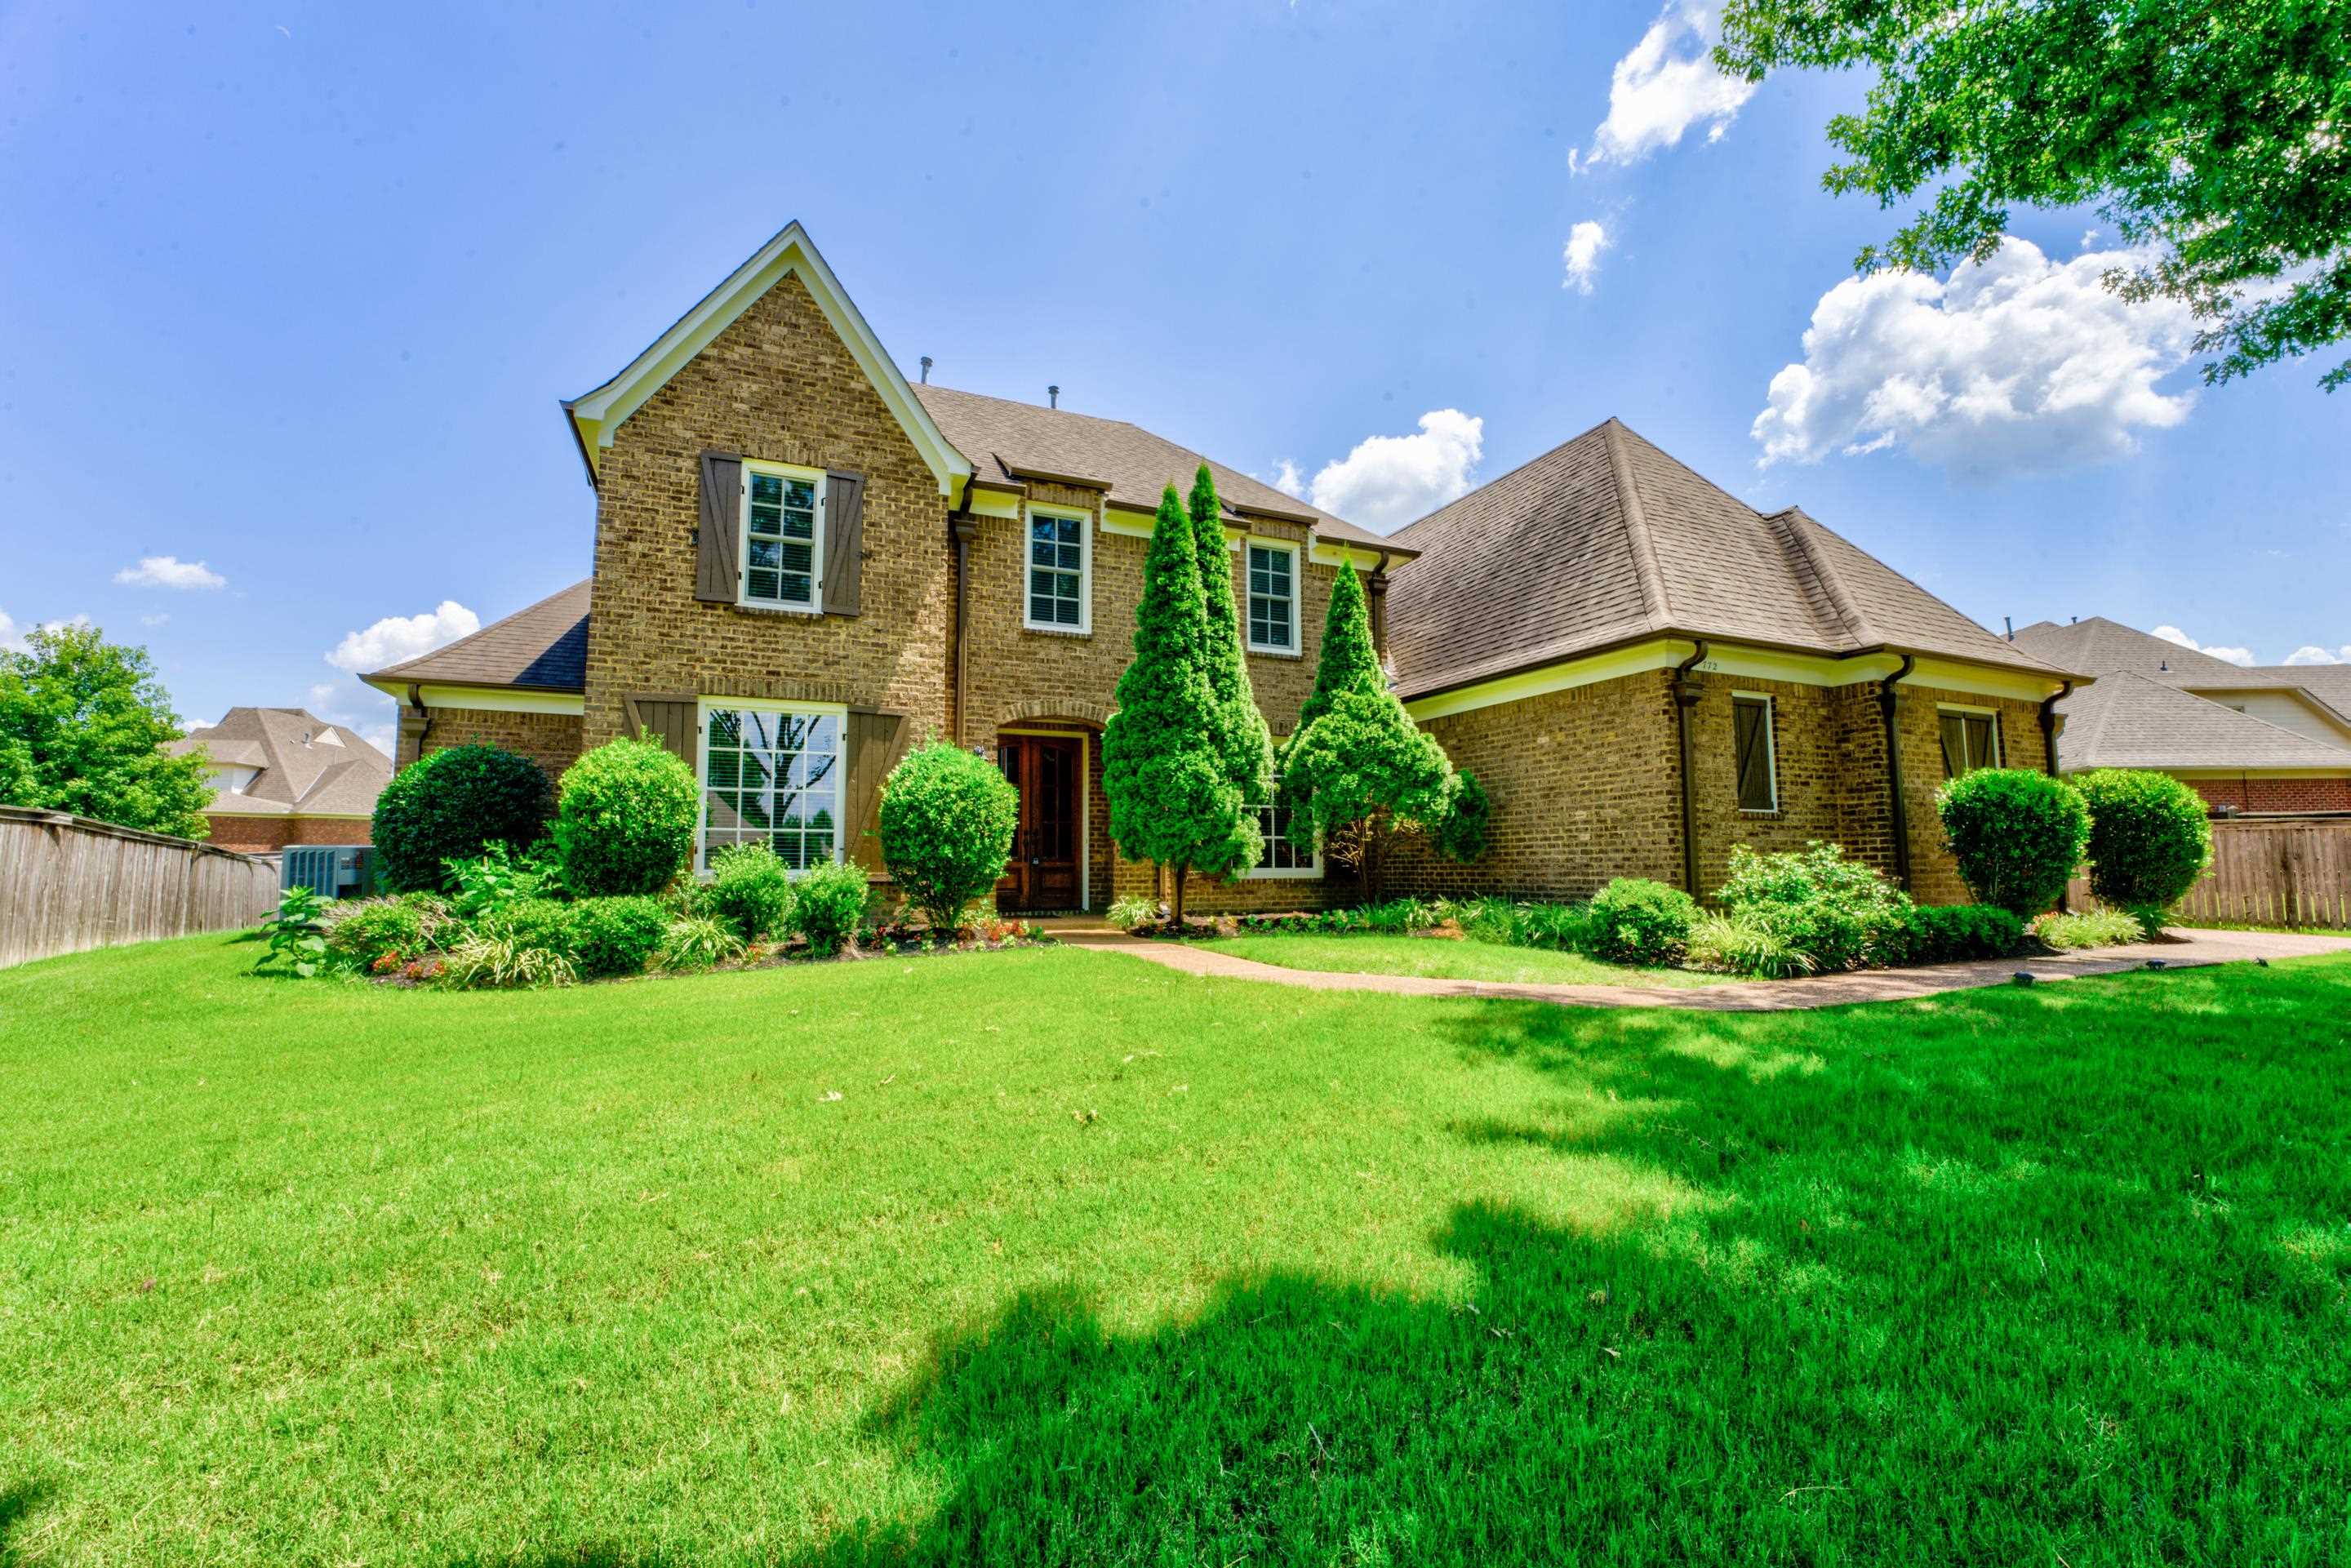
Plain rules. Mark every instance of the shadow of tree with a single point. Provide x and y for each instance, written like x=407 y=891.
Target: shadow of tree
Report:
x=17 y=1501
x=1951 y=1301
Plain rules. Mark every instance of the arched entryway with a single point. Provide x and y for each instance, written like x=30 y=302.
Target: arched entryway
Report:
x=1054 y=760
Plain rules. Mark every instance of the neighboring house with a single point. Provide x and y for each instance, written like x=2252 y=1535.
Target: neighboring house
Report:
x=803 y=564
x=2260 y=741
x=283 y=776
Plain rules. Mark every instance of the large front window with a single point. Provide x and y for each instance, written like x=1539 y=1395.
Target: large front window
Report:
x=772 y=776
x=781 y=537
x=1282 y=858
x=1057 y=572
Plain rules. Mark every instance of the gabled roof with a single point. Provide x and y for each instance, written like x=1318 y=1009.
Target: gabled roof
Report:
x=595 y=415
x=2103 y=647
x=1607 y=540
x=2127 y=720
x=1009 y=442
x=307 y=766
x=543 y=647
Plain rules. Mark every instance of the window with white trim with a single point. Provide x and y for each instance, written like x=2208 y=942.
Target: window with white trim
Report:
x=1059 y=571
x=1282 y=858
x=1970 y=739
x=1755 y=751
x=1272 y=597
x=772 y=774
x=783 y=537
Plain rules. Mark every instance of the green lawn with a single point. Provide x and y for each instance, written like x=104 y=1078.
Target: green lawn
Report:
x=1443 y=959
x=1055 y=1255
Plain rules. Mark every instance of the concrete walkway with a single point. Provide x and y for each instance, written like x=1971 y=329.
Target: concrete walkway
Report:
x=2190 y=949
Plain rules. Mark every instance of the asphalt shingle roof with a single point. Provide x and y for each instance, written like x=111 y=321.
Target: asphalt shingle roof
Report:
x=2102 y=647
x=1607 y=539
x=2128 y=720
x=306 y=765
x=543 y=646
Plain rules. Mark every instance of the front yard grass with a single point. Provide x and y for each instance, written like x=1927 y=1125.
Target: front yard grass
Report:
x=1443 y=959
x=1057 y=1256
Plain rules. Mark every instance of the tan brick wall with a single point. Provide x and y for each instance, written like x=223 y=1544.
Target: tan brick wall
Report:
x=549 y=739
x=777 y=385
x=255 y=835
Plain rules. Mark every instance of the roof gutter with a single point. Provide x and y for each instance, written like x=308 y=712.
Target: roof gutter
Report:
x=1889 y=706
x=1686 y=693
x=2049 y=724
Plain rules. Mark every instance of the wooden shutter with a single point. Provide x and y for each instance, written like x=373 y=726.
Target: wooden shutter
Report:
x=1751 y=725
x=1955 y=746
x=1981 y=751
x=717 y=537
x=844 y=543
x=874 y=744
x=672 y=720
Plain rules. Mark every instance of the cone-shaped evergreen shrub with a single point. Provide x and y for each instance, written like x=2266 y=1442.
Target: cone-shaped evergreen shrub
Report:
x=1238 y=730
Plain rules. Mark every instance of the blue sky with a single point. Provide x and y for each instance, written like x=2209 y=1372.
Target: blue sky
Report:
x=292 y=291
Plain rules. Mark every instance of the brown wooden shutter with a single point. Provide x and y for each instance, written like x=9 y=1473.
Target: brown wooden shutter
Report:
x=844 y=543
x=672 y=720
x=875 y=743
x=717 y=537
x=1955 y=745
x=1748 y=723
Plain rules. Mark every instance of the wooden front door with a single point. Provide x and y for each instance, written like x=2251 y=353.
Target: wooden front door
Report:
x=1046 y=769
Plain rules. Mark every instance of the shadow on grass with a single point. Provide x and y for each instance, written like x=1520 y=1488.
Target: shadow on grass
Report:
x=1962 y=1292
x=18 y=1500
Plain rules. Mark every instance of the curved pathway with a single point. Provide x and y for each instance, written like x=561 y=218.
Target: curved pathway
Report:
x=2189 y=950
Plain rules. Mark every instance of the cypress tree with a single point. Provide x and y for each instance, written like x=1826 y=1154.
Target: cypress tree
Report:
x=1170 y=802
x=1239 y=731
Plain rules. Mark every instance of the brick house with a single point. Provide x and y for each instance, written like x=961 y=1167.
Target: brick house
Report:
x=284 y=775
x=2261 y=741
x=803 y=564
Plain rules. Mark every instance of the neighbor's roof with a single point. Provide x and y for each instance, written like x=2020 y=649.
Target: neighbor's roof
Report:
x=307 y=766
x=1607 y=540
x=543 y=647
x=1009 y=442
x=2102 y=647
x=2128 y=720
x=2330 y=683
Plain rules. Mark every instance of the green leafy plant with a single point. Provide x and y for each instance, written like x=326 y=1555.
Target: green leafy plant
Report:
x=1636 y=921
x=829 y=906
x=1171 y=801
x=486 y=883
x=363 y=931
x=1740 y=947
x=2088 y=928
x=1561 y=927
x=2017 y=835
x=1464 y=826
x=750 y=889
x=2150 y=841
x=1827 y=907
x=480 y=960
x=83 y=722
x=947 y=821
x=625 y=819
x=617 y=935
x=295 y=931
x=698 y=941
x=452 y=805
x=1947 y=934
x=1133 y=914
x=545 y=923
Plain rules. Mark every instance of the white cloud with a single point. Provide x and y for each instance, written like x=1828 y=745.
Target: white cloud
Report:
x=396 y=638
x=2233 y=655
x=1585 y=241
x=12 y=635
x=1389 y=480
x=155 y=620
x=1287 y=479
x=169 y=572
x=2018 y=365
x=1667 y=84
x=2312 y=653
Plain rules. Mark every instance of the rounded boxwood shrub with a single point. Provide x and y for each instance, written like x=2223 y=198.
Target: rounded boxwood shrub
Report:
x=448 y=805
x=751 y=890
x=618 y=935
x=2017 y=835
x=2149 y=841
x=948 y=821
x=624 y=820
x=829 y=904
x=1636 y=921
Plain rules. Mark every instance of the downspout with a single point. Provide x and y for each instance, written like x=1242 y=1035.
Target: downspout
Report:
x=424 y=723
x=2049 y=723
x=1686 y=693
x=961 y=527
x=1887 y=700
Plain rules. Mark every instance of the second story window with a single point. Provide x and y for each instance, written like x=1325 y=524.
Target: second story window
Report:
x=782 y=537
x=1058 y=571
x=1272 y=597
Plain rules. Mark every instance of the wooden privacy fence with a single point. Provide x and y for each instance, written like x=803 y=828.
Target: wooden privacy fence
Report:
x=68 y=883
x=2269 y=872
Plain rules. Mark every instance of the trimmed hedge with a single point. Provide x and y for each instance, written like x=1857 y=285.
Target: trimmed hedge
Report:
x=624 y=820
x=2150 y=839
x=829 y=904
x=1636 y=921
x=750 y=889
x=452 y=804
x=2016 y=834
x=618 y=935
x=947 y=821
x=1950 y=933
